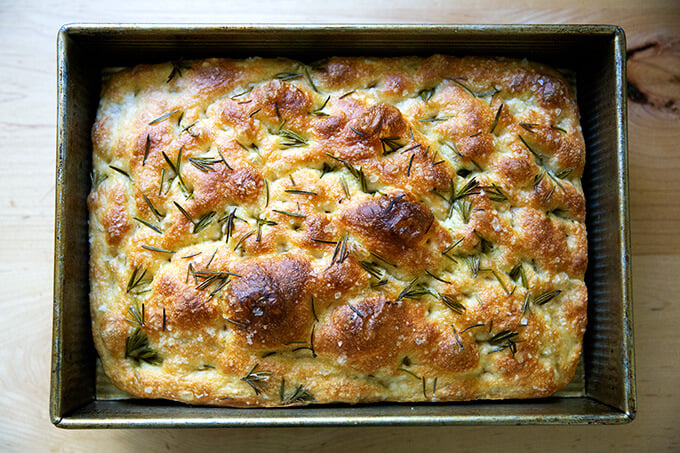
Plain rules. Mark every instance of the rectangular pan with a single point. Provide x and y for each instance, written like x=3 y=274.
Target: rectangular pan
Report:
x=595 y=53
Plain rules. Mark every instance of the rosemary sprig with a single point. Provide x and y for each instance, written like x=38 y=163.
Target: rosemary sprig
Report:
x=136 y=313
x=149 y=225
x=188 y=130
x=495 y=120
x=359 y=174
x=120 y=170
x=205 y=164
x=163 y=117
x=518 y=272
x=413 y=291
x=260 y=224
x=546 y=297
x=257 y=380
x=177 y=67
x=473 y=263
x=374 y=270
x=453 y=304
x=137 y=279
x=138 y=349
x=229 y=227
x=390 y=145
x=464 y=208
x=341 y=252
x=286 y=76
x=210 y=277
x=495 y=192
x=176 y=167
x=254 y=112
x=204 y=221
x=347 y=94
x=298 y=395
x=504 y=339
x=557 y=128
x=470 y=188
x=291 y=139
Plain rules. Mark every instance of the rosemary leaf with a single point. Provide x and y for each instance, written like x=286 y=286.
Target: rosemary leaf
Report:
x=453 y=304
x=257 y=380
x=163 y=117
x=146 y=149
x=309 y=79
x=286 y=76
x=157 y=249
x=546 y=297
x=495 y=120
x=149 y=225
x=300 y=192
x=138 y=349
x=121 y=171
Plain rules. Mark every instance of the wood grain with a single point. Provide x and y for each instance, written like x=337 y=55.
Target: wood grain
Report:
x=27 y=136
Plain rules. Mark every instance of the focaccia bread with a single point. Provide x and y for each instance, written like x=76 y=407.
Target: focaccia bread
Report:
x=265 y=232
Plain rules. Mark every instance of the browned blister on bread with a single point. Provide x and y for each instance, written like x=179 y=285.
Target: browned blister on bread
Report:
x=267 y=233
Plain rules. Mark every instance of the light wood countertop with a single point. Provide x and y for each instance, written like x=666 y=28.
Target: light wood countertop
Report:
x=28 y=33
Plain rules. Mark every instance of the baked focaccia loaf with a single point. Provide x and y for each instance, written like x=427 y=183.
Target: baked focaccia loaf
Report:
x=269 y=233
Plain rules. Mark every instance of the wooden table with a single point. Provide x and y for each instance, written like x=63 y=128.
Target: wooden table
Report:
x=27 y=137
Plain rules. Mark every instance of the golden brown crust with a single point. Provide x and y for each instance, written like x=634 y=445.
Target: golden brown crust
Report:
x=267 y=233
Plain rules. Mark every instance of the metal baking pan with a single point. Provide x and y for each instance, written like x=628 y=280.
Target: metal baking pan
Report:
x=594 y=53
